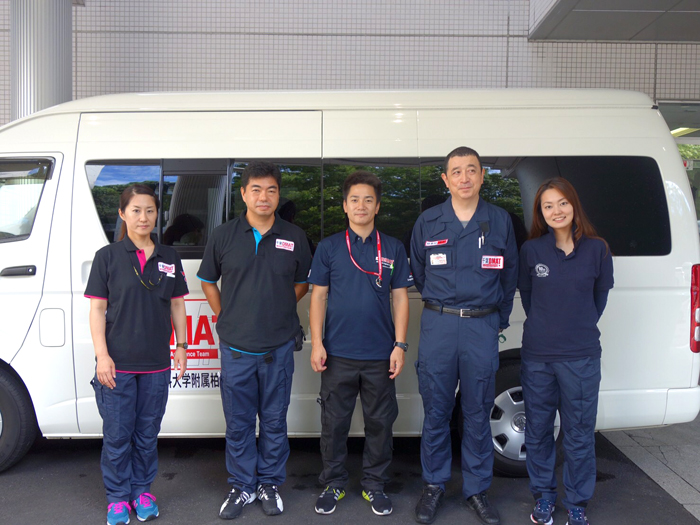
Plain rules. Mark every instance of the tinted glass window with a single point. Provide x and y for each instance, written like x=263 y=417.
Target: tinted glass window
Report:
x=21 y=185
x=108 y=181
x=623 y=197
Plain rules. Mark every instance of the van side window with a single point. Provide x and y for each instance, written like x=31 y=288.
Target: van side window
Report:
x=108 y=181
x=21 y=185
x=193 y=195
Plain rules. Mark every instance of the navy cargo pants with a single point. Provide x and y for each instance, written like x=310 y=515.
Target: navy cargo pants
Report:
x=131 y=416
x=452 y=350
x=572 y=388
x=256 y=385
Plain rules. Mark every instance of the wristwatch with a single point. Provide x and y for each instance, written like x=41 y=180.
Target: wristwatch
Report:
x=402 y=346
x=183 y=345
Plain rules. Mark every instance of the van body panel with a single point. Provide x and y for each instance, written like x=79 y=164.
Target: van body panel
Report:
x=326 y=100
x=683 y=405
x=370 y=134
x=21 y=293
x=649 y=375
x=226 y=134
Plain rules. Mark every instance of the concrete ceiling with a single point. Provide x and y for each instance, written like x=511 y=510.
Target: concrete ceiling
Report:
x=620 y=20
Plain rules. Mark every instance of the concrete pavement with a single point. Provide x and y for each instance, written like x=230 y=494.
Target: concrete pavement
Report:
x=670 y=456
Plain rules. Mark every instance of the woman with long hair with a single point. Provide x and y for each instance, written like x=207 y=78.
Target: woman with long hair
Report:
x=566 y=272
x=136 y=289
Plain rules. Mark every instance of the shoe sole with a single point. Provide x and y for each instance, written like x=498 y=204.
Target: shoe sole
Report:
x=550 y=522
x=121 y=522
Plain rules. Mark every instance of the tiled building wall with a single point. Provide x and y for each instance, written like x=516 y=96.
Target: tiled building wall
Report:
x=169 y=45
x=4 y=61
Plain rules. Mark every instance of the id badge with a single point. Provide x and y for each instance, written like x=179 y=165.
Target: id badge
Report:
x=492 y=262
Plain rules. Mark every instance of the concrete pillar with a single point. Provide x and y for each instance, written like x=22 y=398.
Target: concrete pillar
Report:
x=40 y=48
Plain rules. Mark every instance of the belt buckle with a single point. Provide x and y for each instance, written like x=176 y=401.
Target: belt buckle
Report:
x=464 y=312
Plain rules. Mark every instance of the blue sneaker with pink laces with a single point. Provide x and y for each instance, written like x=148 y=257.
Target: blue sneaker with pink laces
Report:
x=145 y=507
x=118 y=513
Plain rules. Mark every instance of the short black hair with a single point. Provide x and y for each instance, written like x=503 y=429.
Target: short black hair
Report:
x=462 y=151
x=362 y=177
x=260 y=169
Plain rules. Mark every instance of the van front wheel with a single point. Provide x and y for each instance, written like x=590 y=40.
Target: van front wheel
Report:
x=17 y=420
x=508 y=423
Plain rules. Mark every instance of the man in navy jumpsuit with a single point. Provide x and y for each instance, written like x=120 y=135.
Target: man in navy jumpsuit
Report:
x=465 y=264
x=263 y=263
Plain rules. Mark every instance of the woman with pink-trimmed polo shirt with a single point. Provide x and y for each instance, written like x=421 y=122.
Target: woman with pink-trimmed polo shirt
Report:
x=136 y=287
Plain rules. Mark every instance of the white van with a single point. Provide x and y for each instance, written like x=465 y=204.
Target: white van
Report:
x=62 y=170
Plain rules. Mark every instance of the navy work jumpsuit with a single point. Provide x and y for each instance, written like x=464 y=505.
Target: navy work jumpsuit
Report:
x=473 y=267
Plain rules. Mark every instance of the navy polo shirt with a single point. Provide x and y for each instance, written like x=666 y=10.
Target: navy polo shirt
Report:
x=138 y=325
x=358 y=316
x=474 y=267
x=562 y=320
x=257 y=272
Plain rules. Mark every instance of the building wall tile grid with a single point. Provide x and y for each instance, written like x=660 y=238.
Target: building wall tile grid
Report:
x=178 y=45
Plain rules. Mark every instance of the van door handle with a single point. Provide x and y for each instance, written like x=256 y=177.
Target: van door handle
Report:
x=18 y=271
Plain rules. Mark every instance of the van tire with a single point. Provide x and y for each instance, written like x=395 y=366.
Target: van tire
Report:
x=508 y=423
x=18 y=427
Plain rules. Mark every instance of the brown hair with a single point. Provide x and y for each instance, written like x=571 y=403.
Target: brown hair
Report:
x=129 y=193
x=583 y=224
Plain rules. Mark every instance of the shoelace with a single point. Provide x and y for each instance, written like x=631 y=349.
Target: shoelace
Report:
x=544 y=505
x=119 y=507
x=268 y=491
x=240 y=496
x=430 y=495
x=146 y=499
x=481 y=500
x=330 y=491
x=375 y=494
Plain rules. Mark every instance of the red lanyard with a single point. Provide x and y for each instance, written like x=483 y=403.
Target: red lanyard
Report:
x=379 y=258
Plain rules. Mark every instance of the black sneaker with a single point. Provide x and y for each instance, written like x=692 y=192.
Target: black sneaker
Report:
x=479 y=503
x=326 y=502
x=269 y=496
x=235 y=501
x=430 y=500
x=381 y=504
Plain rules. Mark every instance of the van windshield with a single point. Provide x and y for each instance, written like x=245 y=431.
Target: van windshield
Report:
x=21 y=186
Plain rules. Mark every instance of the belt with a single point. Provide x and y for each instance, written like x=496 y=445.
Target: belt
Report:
x=462 y=312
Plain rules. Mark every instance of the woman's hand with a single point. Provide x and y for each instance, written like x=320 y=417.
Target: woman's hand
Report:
x=106 y=372
x=180 y=361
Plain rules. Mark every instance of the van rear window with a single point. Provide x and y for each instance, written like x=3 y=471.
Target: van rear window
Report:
x=21 y=185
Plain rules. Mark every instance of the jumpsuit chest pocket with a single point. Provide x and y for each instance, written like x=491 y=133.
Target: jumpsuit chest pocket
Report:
x=490 y=257
x=439 y=255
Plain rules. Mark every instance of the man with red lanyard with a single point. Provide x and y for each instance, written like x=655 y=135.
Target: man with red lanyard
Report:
x=363 y=348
